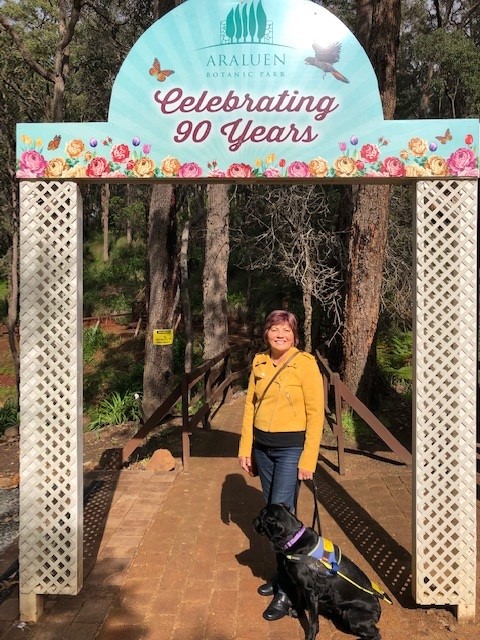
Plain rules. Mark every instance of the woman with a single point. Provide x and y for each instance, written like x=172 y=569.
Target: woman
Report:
x=282 y=428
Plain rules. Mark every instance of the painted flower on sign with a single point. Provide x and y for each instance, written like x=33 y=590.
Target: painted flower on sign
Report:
x=56 y=168
x=170 y=166
x=190 y=170
x=393 y=167
x=370 y=152
x=272 y=172
x=98 y=167
x=144 y=168
x=75 y=148
x=239 y=170
x=462 y=162
x=32 y=164
x=418 y=146
x=345 y=167
x=437 y=166
x=120 y=153
x=77 y=171
x=415 y=170
x=216 y=173
x=298 y=169
x=318 y=167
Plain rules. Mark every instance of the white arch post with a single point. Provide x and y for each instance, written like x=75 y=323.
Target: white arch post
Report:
x=445 y=395
x=51 y=393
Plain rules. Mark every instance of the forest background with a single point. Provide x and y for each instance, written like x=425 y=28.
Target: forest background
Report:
x=213 y=260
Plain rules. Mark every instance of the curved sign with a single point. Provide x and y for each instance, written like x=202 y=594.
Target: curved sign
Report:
x=256 y=89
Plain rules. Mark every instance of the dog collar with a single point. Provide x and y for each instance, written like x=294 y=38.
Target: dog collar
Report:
x=296 y=537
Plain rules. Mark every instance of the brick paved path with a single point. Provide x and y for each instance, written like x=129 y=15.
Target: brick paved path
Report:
x=174 y=556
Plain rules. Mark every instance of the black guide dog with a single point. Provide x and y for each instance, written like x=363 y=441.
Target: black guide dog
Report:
x=325 y=581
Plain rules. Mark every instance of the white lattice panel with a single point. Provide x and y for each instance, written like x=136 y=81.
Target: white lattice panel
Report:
x=445 y=393
x=51 y=465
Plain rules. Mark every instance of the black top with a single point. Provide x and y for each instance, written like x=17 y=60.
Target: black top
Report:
x=280 y=439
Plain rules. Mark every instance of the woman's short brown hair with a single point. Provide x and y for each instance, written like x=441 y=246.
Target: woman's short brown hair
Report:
x=279 y=316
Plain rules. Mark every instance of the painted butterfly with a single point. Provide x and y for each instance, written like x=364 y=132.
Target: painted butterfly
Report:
x=161 y=74
x=53 y=144
x=446 y=138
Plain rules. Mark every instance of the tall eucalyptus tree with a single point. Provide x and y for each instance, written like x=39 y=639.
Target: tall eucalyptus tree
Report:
x=379 y=28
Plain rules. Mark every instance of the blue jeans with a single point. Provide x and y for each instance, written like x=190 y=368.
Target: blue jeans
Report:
x=278 y=472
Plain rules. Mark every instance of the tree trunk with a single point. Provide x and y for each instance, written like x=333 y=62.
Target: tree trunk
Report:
x=185 y=296
x=307 y=323
x=364 y=282
x=363 y=23
x=13 y=282
x=161 y=295
x=105 y=202
x=129 y=226
x=370 y=218
x=162 y=280
x=217 y=249
x=129 y=233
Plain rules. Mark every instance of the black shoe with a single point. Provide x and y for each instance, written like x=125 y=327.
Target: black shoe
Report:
x=278 y=608
x=267 y=589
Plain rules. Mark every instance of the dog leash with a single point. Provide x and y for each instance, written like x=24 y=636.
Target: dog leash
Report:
x=316 y=513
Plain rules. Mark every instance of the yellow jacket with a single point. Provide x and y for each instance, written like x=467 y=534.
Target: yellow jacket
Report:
x=294 y=402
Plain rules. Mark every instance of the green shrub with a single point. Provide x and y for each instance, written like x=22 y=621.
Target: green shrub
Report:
x=3 y=299
x=353 y=426
x=94 y=338
x=9 y=415
x=114 y=410
x=394 y=357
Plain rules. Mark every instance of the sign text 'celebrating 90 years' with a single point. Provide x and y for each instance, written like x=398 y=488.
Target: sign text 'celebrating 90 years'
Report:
x=240 y=130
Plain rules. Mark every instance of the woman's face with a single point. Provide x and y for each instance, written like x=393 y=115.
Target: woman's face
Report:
x=280 y=338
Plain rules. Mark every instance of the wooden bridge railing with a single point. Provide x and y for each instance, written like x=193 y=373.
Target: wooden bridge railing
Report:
x=341 y=393
x=218 y=376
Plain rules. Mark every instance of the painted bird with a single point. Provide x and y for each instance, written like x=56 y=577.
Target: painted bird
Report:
x=324 y=59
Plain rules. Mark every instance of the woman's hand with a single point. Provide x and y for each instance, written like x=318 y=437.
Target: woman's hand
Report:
x=246 y=464
x=305 y=475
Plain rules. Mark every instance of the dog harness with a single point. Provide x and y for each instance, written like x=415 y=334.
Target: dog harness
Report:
x=329 y=555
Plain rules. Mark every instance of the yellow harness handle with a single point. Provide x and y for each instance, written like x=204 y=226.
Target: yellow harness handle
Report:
x=377 y=592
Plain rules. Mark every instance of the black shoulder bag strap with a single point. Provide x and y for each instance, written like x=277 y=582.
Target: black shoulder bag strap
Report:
x=271 y=381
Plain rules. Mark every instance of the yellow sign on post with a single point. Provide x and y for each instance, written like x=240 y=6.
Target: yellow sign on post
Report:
x=162 y=336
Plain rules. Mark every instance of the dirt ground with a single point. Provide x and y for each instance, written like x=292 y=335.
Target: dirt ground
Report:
x=100 y=449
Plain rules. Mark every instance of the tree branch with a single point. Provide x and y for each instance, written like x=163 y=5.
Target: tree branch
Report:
x=33 y=64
